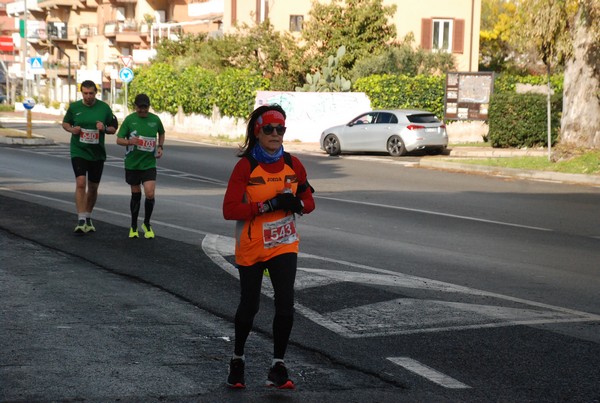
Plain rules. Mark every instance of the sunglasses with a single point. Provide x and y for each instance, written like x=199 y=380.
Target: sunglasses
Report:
x=268 y=129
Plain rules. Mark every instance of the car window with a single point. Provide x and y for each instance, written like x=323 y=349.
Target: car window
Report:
x=365 y=119
x=423 y=118
x=386 y=118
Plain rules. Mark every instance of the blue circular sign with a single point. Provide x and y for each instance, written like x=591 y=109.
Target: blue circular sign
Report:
x=29 y=103
x=126 y=74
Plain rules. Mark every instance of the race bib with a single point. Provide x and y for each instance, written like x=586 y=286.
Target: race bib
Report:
x=147 y=144
x=89 y=136
x=280 y=232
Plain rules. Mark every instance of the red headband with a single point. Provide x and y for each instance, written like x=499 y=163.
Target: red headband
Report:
x=267 y=118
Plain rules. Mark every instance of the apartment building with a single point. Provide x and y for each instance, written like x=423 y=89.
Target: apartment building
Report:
x=73 y=37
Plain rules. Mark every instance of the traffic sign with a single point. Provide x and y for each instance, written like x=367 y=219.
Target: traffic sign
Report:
x=36 y=63
x=126 y=60
x=126 y=74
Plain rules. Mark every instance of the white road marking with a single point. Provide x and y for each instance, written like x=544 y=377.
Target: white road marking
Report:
x=462 y=217
x=405 y=315
x=429 y=373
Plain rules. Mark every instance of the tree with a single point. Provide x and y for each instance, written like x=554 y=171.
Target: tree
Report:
x=580 y=123
x=362 y=26
x=404 y=58
x=495 y=50
x=568 y=32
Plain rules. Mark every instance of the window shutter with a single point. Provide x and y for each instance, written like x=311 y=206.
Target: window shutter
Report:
x=458 y=36
x=426 y=33
x=258 y=10
x=233 y=12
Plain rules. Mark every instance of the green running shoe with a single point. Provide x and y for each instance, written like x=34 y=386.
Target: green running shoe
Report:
x=89 y=225
x=80 y=228
x=148 y=233
x=133 y=233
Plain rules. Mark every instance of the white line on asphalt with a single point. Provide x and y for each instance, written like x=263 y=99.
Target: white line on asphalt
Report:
x=429 y=373
x=434 y=213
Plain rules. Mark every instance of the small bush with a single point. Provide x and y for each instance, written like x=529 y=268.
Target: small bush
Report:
x=520 y=120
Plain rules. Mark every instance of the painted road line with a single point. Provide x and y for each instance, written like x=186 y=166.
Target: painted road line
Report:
x=428 y=373
x=401 y=313
x=415 y=210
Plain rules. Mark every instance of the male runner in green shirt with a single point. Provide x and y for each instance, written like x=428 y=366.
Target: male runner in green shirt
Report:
x=88 y=120
x=143 y=135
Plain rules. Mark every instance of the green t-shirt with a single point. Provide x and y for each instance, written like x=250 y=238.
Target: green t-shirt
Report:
x=89 y=144
x=147 y=130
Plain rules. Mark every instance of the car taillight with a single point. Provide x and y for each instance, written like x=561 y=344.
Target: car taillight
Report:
x=415 y=127
x=443 y=126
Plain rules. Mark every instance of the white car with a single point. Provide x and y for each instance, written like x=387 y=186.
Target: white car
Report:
x=395 y=131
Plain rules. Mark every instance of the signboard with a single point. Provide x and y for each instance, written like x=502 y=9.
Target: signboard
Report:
x=126 y=74
x=6 y=44
x=126 y=60
x=468 y=95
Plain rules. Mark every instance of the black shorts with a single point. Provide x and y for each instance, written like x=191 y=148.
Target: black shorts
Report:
x=93 y=169
x=136 y=176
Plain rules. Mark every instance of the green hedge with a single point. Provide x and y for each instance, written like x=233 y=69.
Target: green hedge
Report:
x=399 y=91
x=520 y=120
x=197 y=90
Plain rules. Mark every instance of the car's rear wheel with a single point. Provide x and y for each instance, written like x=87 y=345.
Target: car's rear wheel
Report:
x=331 y=144
x=396 y=147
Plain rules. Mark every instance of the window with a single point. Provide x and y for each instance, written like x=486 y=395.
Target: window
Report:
x=442 y=38
x=296 y=22
x=443 y=34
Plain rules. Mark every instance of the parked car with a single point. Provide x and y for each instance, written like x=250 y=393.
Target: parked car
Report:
x=395 y=131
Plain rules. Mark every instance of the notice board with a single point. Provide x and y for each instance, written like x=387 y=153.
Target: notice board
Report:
x=467 y=95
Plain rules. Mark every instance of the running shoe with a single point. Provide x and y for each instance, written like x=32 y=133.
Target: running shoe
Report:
x=89 y=226
x=235 y=379
x=148 y=233
x=80 y=228
x=278 y=377
x=133 y=233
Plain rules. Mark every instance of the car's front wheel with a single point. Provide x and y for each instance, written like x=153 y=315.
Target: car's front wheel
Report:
x=395 y=146
x=331 y=144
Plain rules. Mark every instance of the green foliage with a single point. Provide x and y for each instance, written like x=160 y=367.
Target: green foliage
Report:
x=401 y=91
x=262 y=50
x=327 y=80
x=235 y=92
x=506 y=83
x=160 y=82
x=403 y=58
x=196 y=90
x=363 y=26
x=520 y=120
x=496 y=34
x=196 y=94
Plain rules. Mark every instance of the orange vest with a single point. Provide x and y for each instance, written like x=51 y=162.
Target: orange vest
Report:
x=270 y=234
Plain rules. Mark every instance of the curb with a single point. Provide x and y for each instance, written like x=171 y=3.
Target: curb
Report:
x=589 y=180
x=27 y=141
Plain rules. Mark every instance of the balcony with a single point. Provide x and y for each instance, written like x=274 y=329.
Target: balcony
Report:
x=87 y=31
x=127 y=31
x=60 y=31
x=50 y=4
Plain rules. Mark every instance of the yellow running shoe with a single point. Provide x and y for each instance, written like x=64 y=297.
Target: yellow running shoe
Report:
x=148 y=233
x=89 y=226
x=133 y=233
x=80 y=228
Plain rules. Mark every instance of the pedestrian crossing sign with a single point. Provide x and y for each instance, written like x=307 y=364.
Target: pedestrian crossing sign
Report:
x=36 y=63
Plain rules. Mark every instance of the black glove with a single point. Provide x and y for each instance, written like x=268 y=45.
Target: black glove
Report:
x=286 y=202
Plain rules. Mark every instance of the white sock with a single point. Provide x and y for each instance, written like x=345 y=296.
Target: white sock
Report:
x=242 y=357
x=275 y=361
x=81 y=216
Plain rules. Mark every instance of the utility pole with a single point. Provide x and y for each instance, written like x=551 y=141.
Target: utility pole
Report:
x=24 y=48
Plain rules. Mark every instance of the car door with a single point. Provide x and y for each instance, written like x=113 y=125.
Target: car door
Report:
x=359 y=133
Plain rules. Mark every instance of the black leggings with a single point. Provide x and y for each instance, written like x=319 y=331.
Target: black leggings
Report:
x=282 y=270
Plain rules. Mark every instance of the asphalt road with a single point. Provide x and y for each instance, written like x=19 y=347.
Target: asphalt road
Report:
x=398 y=320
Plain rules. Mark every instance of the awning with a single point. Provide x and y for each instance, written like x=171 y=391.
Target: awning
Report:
x=74 y=4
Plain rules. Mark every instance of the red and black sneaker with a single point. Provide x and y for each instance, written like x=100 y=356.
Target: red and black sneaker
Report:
x=235 y=379
x=278 y=377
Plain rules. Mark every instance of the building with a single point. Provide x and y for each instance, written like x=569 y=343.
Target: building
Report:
x=74 y=37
